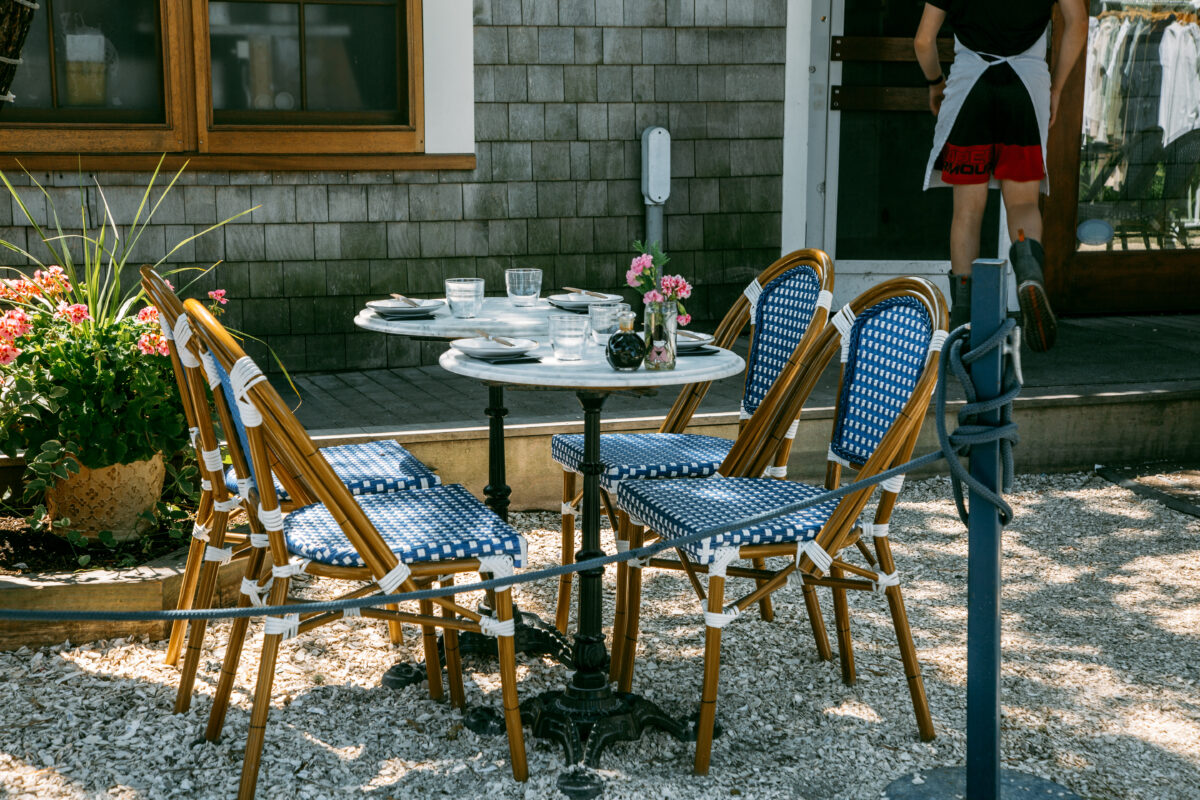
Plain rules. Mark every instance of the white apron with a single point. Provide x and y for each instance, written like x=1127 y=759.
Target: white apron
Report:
x=968 y=68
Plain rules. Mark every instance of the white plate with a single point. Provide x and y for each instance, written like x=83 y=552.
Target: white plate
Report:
x=576 y=300
x=1094 y=231
x=392 y=307
x=487 y=348
x=684 y=341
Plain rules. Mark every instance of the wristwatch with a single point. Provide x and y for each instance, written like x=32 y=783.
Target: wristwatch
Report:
x=941 y=77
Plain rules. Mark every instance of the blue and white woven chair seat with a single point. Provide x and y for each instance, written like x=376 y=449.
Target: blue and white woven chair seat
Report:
x=420 y=525
x=678 y=508
x=645 y=455
x=367 y=468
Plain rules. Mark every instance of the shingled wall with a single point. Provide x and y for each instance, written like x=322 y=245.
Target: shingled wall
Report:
x=563 y=89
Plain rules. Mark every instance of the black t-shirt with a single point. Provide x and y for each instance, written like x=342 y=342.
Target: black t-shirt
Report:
x=998 y=27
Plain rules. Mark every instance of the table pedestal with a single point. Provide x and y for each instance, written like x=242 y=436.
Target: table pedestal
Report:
x=588 y=715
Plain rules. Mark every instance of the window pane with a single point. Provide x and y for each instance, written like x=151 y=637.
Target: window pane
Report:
x=105 y=60
x=350 y=57
x=1139 y=170
x=255 y=57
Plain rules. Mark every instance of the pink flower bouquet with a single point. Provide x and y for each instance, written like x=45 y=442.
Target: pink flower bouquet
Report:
x=646 y=275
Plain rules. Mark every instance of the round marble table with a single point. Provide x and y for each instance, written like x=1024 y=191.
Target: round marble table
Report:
x=588 y=708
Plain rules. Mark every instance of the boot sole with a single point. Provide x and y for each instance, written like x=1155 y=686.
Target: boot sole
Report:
x=1039 y=323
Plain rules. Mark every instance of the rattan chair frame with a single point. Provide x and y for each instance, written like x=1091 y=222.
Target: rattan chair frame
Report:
x=210 y=527
x=290 y=444
x=752 y=453
x=680 y=415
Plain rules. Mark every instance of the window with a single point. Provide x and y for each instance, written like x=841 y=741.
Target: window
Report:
x=235 y=83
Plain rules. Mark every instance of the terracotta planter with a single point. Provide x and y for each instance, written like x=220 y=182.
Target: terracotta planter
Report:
x=109 y=498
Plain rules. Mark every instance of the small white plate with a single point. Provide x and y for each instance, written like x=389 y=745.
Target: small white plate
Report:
x=684 y=341
x=487 y=348
x=392 y=307
x=576 y=300
x=1094 y=231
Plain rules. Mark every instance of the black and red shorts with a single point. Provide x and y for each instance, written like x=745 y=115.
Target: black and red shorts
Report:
x=996 y=133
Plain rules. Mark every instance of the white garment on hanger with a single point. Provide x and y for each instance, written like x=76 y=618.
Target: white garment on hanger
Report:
x=1179 y=103
x=967 y=69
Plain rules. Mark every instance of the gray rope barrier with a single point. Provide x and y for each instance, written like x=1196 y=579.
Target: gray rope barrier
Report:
x=970 y=432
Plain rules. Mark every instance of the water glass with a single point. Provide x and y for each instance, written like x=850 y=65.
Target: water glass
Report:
x=524 y=286
x=602 y=320
x=464 y=296
x=568 y=332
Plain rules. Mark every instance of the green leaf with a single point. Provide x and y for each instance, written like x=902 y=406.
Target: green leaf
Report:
x=84 y=560
x=106 y=539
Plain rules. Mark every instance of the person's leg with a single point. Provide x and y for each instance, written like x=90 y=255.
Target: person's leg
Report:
x=970 y=202
x=1025 y=229
x=1021 y=206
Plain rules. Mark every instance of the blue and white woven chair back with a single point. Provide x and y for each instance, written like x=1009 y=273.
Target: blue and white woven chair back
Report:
x=780 y=312
x=885 y=352
x=238 y=424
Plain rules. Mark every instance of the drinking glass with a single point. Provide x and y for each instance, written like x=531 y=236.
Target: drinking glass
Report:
x=464 y=296
x=524 y=286
x=568 y=332
x=602 y=320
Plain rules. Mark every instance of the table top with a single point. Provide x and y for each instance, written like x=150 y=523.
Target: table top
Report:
x=498 y=317
x=592 y=371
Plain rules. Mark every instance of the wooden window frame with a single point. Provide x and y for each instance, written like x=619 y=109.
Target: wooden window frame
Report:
x=1116 y=282
x=189 y=133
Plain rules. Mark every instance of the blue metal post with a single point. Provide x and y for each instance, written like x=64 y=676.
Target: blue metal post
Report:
x=988 y=300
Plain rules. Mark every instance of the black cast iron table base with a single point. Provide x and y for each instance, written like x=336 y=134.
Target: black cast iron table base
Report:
x=950 y=783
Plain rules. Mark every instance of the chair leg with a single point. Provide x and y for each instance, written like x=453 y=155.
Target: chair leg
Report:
x=841 y=616
x=912 y=666
x=766 y=608
x=508 y=684
x=187 y=594
x=395 y=630
x=262 y=701
x=633 y=613
x=813 y=604
x=454 y=675
x=712 y=674
x=205 y=589
x=562 y=615
x=618 y=631
x=433 y=664
x=233 y=653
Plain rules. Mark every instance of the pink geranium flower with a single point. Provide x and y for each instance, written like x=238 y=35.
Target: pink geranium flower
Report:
x=53 y=281
x=8 y=352
x=148 y=315
x=218 y=296
x=684 y=319
x=153 y=343
x=75 y=313
x=14 y=323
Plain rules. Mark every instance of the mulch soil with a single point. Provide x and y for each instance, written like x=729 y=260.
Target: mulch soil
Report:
x=24 y=551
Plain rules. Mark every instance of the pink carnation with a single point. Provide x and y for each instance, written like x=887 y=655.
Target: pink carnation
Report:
x=13 y=324
x=152 y=342
x=8 y=353
x=218 y=296
x=684 y=319
x=631 y=277
x=653 y=296
x=76 y=312
x=148 y=315
x=643 y=262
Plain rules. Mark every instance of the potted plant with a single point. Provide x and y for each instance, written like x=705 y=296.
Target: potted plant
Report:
x=86 y=388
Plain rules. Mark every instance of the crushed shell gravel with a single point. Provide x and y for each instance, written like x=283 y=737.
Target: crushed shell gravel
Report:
x=1101 y=647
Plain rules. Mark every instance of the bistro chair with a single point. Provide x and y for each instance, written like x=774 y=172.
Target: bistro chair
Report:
x=786 y=306
x=365 y=468
x=395 y=541
x=889 y=339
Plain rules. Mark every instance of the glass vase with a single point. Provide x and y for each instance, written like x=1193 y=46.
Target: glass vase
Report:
x=660 y=329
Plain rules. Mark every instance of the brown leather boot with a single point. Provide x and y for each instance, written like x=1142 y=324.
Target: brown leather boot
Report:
x=960 y=300
x=1039 y=325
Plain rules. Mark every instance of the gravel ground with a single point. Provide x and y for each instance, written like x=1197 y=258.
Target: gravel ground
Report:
x=1101 y=646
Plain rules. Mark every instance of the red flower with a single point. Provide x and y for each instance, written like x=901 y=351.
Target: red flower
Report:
x=14 y=323
x=8 y=353
x=218 y=296
x=76 y=312
x=148 y=315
